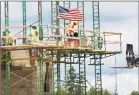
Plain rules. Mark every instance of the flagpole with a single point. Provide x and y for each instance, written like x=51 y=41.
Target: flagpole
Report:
x=138 y=47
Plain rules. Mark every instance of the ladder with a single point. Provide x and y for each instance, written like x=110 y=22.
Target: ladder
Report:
x=81 y=79
x=80 y=6
x=66 y=22
x=40 y=20
x=96 y=24
x=54 y=19
x=98 y=81
x=96 y=45
x=68 y=66
x=24 y=19
x=56 y=75
x=82 y=74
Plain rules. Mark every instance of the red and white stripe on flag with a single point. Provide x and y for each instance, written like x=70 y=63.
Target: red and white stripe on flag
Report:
x=73 y=15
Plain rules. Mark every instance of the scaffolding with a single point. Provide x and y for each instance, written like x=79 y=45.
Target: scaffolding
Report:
x=24 y=19
x=97 y=62
x=67 y=59
x=55 y=47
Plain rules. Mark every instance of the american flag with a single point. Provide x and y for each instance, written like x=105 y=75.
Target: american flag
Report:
x=72 y=14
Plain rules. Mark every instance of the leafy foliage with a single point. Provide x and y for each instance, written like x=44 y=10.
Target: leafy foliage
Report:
x=105 y=92
x=73 y=87
x=134 y=93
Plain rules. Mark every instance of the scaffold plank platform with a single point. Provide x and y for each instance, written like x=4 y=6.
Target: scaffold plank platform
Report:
x=50 y=48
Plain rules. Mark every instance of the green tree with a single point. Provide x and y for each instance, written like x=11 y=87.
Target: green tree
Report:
x=62 y=91
x=105 y=92
x=134 y=93
x=71 y=79
x=72 y=82
x=71 y=86
x=91 y=91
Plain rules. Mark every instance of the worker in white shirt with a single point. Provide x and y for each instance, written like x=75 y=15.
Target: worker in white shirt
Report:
x=35 y=38
x=35 y=34
x=11 y=40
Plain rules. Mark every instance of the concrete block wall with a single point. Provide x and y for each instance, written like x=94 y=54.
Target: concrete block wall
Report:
x=24 y=87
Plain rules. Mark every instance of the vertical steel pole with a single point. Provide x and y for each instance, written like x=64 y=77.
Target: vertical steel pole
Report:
x=41 y=73
x=138 y=45
x=7 y=52
x=40 y=20
x=0 y=51
x=24 y=19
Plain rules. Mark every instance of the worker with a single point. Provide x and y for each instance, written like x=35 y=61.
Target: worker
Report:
x=70 y=32
x=35 y=34
x=11 y=40
x=35 y=38
x=2 y=42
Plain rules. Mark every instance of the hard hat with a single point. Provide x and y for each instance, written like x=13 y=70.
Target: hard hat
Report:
x=76 y=22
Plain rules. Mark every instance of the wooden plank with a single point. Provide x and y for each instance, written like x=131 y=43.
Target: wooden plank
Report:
x=27 y=47
x=14 y=27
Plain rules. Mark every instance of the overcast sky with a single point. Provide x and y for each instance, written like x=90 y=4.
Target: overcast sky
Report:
x=114 y=17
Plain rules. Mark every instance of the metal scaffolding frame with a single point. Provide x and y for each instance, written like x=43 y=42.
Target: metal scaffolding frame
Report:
x=41 y=72
x=80 y=6
x=97 y=62
x=81 y=57
x=7 y=53
x=68 y=64
x=54 y=14
x=6 y=4
x=40 y=20
x=56 y=72
x=81 y=80
x=24 y=19
x=69 y=56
